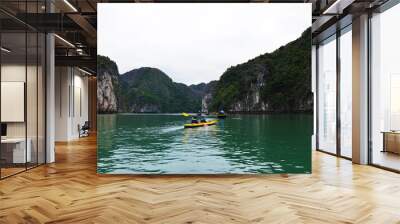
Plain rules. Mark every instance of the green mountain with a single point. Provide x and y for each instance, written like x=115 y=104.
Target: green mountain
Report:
x=273 y=82
x=151 y=90
x=203 y=89
x=199 y=89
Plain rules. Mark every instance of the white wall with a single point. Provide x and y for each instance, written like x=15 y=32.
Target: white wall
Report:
x=81 y=82
x=71 y=93
x=62 y=82
x=79 y=112
x=33 y=126
x=14 y=73
x=17 y=73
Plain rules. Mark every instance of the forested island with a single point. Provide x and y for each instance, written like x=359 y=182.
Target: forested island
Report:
x=274 y=82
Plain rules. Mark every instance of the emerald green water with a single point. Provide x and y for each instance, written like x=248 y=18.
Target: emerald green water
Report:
x=158 y=143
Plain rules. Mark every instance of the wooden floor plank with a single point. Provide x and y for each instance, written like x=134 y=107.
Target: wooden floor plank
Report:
x=70 y=191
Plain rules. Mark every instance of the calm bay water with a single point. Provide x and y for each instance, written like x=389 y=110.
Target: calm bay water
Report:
x=158 y=143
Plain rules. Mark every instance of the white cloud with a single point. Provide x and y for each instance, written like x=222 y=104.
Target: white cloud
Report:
x=195 y=42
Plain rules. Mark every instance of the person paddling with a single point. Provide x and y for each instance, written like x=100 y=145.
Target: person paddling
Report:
x=201 y=117
x=194 y=120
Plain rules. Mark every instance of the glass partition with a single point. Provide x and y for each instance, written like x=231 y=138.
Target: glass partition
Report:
x=14 y=153
x=22 y=77
x=41 y=97
x=35 y=88
x=31 y=97
x=346 y=92
x=385 y=89
x=327 y=95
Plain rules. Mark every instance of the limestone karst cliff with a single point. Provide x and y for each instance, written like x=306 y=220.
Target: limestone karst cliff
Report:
x=274 y=82
x=107 y=85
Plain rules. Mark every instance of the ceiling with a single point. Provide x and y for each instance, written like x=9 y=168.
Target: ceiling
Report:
x=75 y=21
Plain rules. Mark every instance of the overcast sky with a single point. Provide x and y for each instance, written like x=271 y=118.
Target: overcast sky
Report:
x=194 y=43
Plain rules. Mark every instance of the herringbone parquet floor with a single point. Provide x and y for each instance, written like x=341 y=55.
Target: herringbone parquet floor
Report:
x=70 y=191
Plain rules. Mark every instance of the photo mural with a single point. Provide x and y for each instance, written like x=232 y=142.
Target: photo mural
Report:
x=204 y=88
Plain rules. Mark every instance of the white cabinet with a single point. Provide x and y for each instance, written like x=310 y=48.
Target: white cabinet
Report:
x=19 y=155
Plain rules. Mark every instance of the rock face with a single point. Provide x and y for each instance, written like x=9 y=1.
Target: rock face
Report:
x=273 y=82
x=206 y=94
x=251 y=101
x=107 y=85
x=205 y=102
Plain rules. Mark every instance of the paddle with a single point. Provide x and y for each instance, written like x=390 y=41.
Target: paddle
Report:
x=185 y=114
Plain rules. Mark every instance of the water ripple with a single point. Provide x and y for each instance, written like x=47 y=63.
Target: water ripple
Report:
x=243 y=144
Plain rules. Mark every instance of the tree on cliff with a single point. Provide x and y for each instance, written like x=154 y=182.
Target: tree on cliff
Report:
x=276 y=82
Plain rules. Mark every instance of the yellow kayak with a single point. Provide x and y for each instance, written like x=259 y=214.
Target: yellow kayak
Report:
x=201 y=124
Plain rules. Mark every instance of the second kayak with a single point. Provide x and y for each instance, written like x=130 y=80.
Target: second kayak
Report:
x=223 y=116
